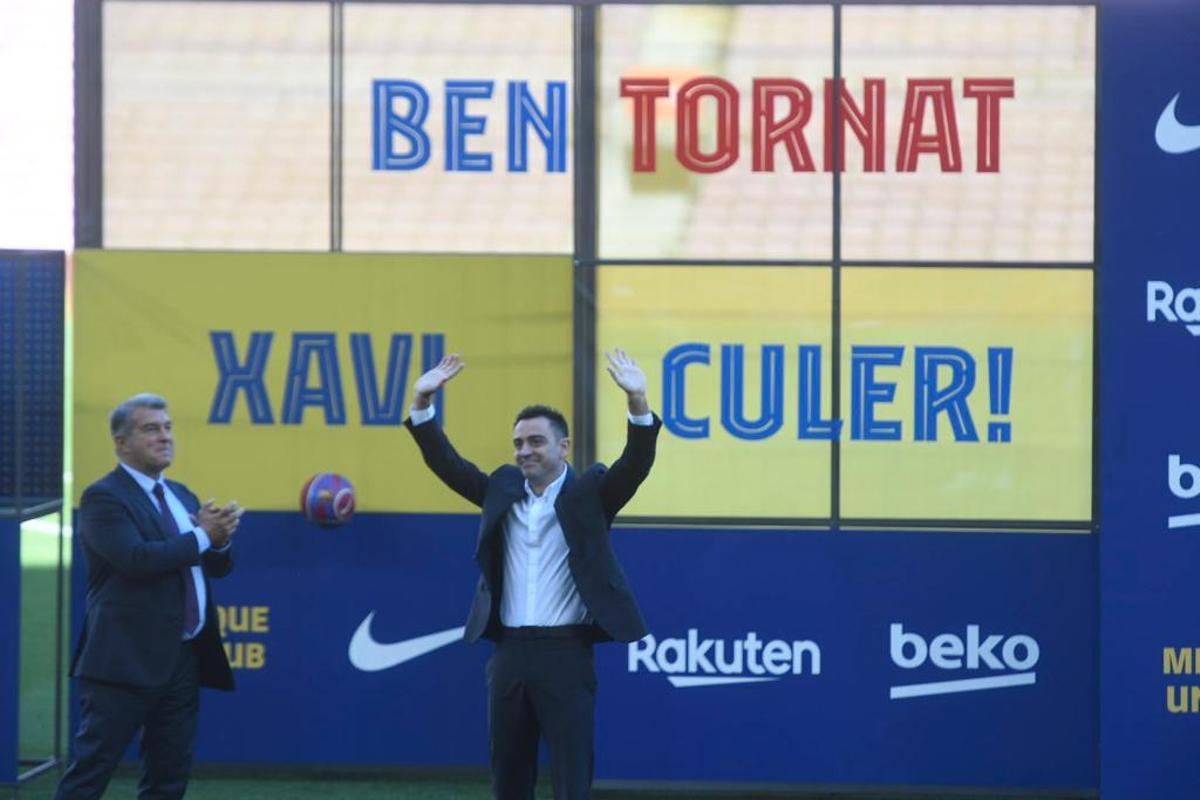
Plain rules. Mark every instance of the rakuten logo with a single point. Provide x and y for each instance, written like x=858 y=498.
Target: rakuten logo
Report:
x=946 y=651
x=1184 y=481
x=711 y=662
x=1163 y=302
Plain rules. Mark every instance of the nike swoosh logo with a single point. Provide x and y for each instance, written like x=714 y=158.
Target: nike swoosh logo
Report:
x=369 y=655
x=1172 y=135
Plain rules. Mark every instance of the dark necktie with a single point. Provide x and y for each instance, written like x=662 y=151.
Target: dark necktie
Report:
x=191 y=608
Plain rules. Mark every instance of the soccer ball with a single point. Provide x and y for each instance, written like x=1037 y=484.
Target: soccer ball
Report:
x=327 y=499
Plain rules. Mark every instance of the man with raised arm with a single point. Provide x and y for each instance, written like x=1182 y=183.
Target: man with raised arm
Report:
x=551 y=585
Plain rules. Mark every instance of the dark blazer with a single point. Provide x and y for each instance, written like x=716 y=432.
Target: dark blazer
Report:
x=586 y=506
x=134 y=621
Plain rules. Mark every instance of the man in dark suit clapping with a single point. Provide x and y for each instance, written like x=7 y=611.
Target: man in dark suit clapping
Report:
x=150 y=638
x=550 y=584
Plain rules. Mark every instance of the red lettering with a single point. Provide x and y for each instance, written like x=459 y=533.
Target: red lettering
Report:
x=687 y=124
x=867 y=124
x=645 y=93
x=921 y=94
x=789 y=130
x=782 y=107
x=987 y=93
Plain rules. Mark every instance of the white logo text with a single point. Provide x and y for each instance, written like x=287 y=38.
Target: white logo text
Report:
x=1184 y=481
x=1182 y=306
x=709 y=662
x=946 y=651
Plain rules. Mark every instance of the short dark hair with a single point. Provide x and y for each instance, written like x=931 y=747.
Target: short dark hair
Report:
x=557 y=420
x=121 y=420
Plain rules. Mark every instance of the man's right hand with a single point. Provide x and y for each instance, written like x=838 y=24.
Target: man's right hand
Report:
x=428 y=384
x=219 y=522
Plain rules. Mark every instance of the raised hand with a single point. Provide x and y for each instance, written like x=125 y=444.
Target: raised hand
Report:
x=629 y=376
x=428 y=384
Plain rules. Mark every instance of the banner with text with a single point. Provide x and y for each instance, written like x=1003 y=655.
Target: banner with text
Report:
x=277 y=367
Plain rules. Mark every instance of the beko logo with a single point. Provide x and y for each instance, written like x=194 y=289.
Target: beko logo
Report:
x=1163 y=302
x=692 y=661
x=1183 y=479
x=1016 y=656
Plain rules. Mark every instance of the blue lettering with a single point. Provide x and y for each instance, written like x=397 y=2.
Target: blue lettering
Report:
x=811 y=424
x=460 y=125
x=675 y=418
x=951 y=399
x=733 y=417
x=866 y=392
x=1000 y=363
x=550 y=127
x=327 y=394
x=388 y=410
x=410 y=126
x=237 y=377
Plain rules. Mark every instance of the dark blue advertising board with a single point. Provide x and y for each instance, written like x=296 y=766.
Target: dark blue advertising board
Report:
x=1149 y=393
x=800 y=657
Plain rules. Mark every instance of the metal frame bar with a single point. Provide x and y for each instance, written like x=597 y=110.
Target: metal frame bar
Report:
x=337 y=58
x=586 y=194
x=89 y=123
x=835 y=301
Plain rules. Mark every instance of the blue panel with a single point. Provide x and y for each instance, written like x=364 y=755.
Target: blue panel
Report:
x=844 y=591
x=1149 y=281
x=10 y=656
x=31 y=372
x=307 y=703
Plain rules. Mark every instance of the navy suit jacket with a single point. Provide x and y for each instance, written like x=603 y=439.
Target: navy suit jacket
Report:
x=134 y=622
x=586 y=506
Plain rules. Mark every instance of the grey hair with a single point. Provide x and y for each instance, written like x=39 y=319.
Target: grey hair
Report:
x=121 y=419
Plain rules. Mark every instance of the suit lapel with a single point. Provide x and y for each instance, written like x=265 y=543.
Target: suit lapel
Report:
x=564 y=506
x=495 y=508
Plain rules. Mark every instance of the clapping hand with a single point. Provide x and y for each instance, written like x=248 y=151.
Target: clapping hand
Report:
x=219 y=523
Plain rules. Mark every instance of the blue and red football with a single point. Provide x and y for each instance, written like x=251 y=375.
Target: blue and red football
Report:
x=327 y=499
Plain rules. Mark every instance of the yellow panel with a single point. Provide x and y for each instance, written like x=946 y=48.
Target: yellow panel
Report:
x=1045 y=471
x=144 y=320
x=649 y=311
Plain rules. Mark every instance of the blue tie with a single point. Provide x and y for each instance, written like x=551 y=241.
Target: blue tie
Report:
x=191 y=608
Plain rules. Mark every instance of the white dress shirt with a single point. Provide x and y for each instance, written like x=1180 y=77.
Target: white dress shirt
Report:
x=184 y=523
x=538 y=587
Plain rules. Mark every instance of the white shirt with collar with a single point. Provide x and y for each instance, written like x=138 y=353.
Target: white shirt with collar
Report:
x=538 y=587
x=184 y=523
